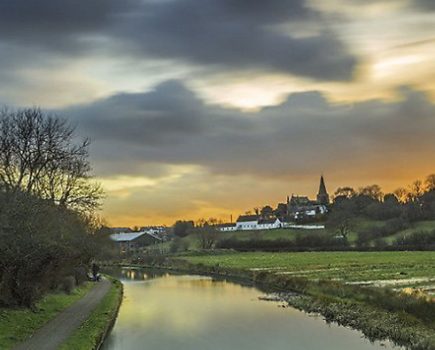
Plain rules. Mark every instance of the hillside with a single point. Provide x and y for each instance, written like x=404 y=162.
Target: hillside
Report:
x=191 y=241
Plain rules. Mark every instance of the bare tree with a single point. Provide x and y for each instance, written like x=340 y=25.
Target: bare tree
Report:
x=340 y=221
x=372 y=191
x=402 y=194
x=207 y=233
x=39 y=155
x=417 y=190
x=345 y=192
x=430 y=182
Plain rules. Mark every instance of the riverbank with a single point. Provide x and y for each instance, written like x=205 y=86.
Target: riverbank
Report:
x=380 y=313
x=16 y=325
x=92 y=333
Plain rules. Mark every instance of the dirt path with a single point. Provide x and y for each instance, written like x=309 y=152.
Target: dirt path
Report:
x=56 y=331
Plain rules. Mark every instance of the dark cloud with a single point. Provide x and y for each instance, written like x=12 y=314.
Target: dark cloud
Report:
x=170 y=125
x=217 y=34
x=63 y=26
x=425 y=5
x=234 y=34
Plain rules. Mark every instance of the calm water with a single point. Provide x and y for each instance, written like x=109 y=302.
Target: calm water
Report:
x=164 y=312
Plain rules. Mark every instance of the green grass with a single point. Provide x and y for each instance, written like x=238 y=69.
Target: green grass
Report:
x=90 y=332
x=362 y=224
x=16 y=325
x=415 y=227
x=346 y=266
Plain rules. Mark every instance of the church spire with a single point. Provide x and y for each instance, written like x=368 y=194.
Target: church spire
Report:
x=322 y=196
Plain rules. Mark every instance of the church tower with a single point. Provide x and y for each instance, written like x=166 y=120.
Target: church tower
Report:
x=322 y=196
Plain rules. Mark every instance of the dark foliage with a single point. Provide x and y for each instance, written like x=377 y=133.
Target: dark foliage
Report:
x=47 y=199
x=417 y=241
x=183 y=228
x=41 y=243
x=376 y=233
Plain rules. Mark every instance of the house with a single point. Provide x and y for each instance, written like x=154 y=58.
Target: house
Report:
x=301 y=207
x=251 y=222
x=129 y=242
x=247 y=222
x=160 y=231
x=226 y=227
x=311 y=212
x=298 y=209
x=269 y=224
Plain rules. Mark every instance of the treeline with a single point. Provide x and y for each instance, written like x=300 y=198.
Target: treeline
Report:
x=325 y=242
x=399 y=210
x=48 y=230
x=415 y=203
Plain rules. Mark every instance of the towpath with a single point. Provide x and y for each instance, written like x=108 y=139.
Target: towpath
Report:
x=59 y=329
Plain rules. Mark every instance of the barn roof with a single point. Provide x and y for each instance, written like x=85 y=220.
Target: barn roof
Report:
x=246 y=218
x=130 y=236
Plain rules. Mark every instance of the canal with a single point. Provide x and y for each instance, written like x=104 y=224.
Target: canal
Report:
x=162 y=311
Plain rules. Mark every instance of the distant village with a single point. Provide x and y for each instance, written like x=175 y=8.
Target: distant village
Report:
x=297 y=212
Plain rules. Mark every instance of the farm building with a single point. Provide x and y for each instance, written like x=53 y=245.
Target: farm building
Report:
x=129 y=242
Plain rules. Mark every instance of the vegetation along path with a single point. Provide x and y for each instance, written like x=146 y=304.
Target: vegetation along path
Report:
x=59 y=329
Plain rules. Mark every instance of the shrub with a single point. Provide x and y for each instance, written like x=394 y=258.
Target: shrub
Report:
x=417 y=241
x=40 y=244
x=67 y=285
x=375 y=233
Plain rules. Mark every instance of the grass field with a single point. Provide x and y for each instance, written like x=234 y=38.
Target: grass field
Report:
x=347 y=266
x=18 y=324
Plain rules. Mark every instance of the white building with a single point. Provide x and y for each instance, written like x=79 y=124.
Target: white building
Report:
x=268 y=224
x=311 y=212
x=247 y=222
x=226 y=227
x=250 y=222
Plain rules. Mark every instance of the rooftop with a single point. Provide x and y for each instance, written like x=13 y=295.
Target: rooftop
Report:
x=246 y=218
x=130 y=236
x=267 y=221
x=226 y=225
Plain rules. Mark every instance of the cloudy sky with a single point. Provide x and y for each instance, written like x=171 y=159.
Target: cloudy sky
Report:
x=211 y=107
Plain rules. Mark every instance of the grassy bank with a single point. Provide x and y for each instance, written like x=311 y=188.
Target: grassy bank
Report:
x=16 y=325
x=332 y=284
x=93 y=331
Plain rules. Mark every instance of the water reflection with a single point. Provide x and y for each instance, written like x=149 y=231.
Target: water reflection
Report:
x=168 y=311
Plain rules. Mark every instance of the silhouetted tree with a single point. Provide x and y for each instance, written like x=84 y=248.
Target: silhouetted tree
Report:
x=266 y=211
x=417 y=189
x=281 y=210
x=402 y=194
x=373 y=191
x=207 y=233
x=430 y=183
x=344 y=193
x=39 y=155
x=183 y=228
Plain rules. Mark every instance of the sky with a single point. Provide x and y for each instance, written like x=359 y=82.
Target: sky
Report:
x=211 y=108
